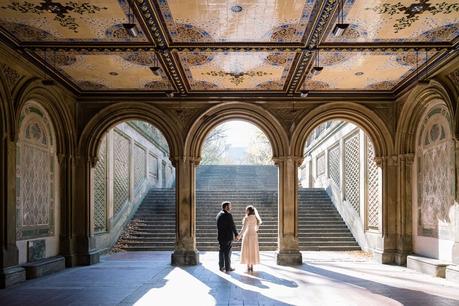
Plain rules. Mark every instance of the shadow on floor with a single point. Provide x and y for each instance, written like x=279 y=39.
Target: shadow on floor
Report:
x=402 y=295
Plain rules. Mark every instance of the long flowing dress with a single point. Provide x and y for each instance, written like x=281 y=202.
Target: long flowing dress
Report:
x=250 y=254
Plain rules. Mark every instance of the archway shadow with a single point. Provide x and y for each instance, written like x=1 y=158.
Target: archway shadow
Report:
x=227 y=292
x=255 y=279
x=402 y=295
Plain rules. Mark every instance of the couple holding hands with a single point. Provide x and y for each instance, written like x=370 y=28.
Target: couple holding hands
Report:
x=249 y=233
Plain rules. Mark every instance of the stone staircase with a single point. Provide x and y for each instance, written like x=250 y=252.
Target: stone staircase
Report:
x=320 y=226
x=208 y=204
x=153 y=226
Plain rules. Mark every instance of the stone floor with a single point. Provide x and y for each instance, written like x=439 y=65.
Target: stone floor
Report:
x=146 y=278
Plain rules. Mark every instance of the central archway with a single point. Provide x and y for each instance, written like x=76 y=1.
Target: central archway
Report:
x=236 y=166
x=253 y=114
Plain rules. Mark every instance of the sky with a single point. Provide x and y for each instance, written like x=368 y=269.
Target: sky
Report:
x=239 y=133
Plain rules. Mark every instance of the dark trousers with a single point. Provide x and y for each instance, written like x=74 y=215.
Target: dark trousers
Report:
x=224 y=254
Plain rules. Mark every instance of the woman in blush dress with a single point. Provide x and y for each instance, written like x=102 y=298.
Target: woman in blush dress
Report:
x=250 y=254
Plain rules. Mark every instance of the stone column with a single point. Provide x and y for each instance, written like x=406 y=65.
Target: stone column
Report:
x=455 y=250
x=81 y=241
x=288 y=251
x=404 y=211
x=10 y=272
x=387 y=247
x=185 y=252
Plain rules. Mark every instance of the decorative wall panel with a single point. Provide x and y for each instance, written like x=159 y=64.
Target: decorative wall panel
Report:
x=153 y=166
x=352 y=171
x=35 y=182
x=139 y=166
x=373 y=184
x=435 y=173
x=334 y=164
x=100 y=189
x=320 y=164
x=121 y=178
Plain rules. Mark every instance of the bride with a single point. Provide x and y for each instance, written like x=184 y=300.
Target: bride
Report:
x=249 y=250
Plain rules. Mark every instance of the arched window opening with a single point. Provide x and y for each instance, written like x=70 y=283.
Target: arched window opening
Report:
x=132 y=181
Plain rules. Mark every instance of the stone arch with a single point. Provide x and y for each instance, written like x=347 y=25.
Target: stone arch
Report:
x=418 y=102
x=54 y=103
x=366 y=119
x=236 y=110
x=112 y=115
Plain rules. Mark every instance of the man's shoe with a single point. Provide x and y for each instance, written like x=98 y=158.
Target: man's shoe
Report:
x=222 y=269
x=230 y=270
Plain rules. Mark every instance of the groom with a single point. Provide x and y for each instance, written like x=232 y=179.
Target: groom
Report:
x=226 y=229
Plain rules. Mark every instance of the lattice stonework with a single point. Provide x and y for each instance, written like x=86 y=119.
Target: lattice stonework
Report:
x=320 y=164
x=100 y=189
x=35 y=175
x=352 y=171
x=120 y=171
x=334 y=164
x=139 y=165
x=373 y=187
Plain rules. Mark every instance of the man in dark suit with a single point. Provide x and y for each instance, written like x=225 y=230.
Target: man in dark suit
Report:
x=226 y=230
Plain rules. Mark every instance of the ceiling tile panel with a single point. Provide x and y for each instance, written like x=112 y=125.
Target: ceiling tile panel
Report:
x=63 y=20
x=364 y=70
x=237 y=21
x=399 y=21
x=109 y=70
x=245 y=71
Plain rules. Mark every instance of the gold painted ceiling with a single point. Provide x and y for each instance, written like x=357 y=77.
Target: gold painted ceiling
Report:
x=247 y=47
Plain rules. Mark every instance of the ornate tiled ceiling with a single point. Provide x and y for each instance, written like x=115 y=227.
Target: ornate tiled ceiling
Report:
x=109 y=70
x=364 y=70
x=399 y=21
x=38 y=20
x=223 y=71
x=247 y=47
x=237 y=21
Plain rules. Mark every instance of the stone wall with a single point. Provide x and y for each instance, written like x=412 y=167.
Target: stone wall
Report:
x=133 y=157
x=340 y=158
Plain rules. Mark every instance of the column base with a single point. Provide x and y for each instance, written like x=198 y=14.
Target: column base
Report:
x=91 y=258
x=185 y=258
x=384 y=257
x=289 y=258
x=11 y=275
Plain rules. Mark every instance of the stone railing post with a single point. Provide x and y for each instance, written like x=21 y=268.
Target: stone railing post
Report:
x=185 y=252
x=288 y=250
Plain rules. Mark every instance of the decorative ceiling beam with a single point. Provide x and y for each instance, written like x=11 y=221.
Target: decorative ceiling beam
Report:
x=314 y=38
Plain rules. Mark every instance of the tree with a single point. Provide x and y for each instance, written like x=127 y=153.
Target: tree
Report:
x=214 y=146
x=259 y=151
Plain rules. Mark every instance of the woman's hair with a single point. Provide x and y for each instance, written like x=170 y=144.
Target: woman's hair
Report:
x=251 y=210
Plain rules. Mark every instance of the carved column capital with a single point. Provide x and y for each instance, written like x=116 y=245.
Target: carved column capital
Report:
x=297 y=160
x=390 y=160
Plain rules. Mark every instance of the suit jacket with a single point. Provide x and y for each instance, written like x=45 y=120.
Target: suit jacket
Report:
x=225 y=226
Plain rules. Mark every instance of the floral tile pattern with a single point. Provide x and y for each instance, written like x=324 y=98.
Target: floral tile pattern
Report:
x=404 y=20
x=65 y=20
x=237 y=21
x=236 y=70
x=109 y=70
x=364 y=70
